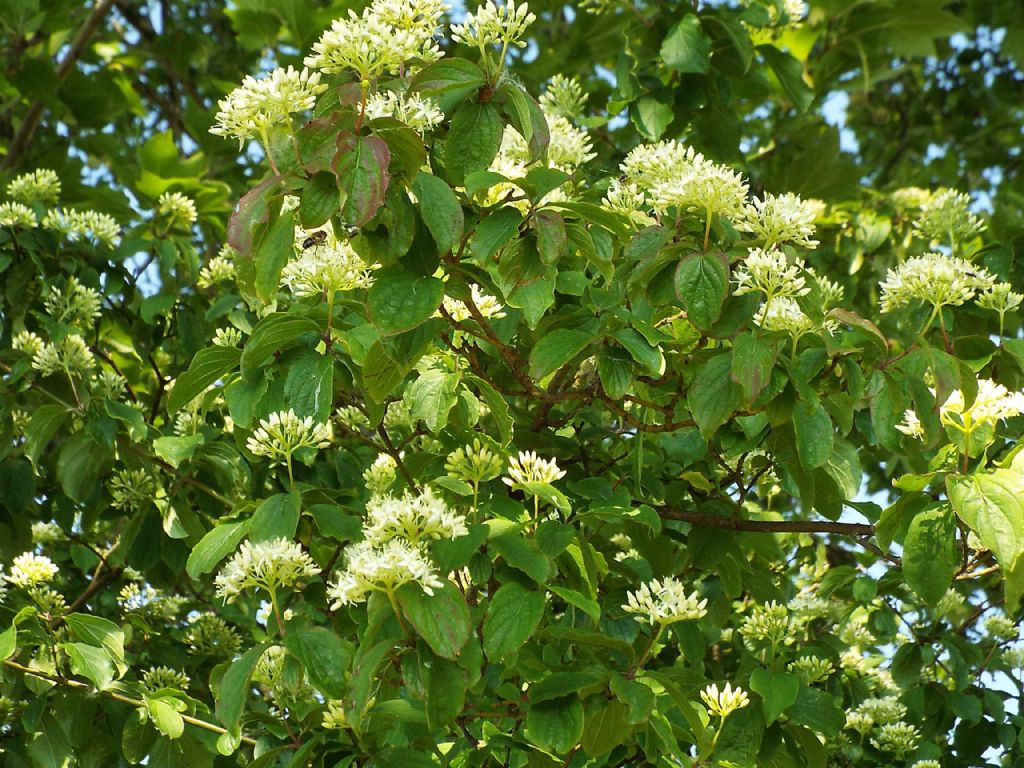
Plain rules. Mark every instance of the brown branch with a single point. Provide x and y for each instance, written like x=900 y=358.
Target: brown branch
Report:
x=35 y=111
x=99 y=582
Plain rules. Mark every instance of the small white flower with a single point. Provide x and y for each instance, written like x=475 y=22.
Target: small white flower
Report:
x=935 y=279
x=412 y=517
x=490 y=24
x=769 y=272
x=723 y=703
x=283 y=432
x=32 y=570
x=528 y=467
x=220 y=268
x=911 y=424
x=74 y=304
x=256 y=105
x=382 y=568
x=266 y=565
x=27 y=342
x=664 y=602
x=83 y=225
x=563 y=97
x=780 y=218
x=71 y=355
x=418 y=112
x=488 y=305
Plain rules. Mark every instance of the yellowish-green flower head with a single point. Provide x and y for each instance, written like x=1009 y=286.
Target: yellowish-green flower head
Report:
x=90 y=226
x=935 y=279
x=39 y=186
x=71 y=355
x=178 y=210
x=413 y=517
x=563 y=97
x=283 y=432
x=946 y=217
x=776 y=219
x=251 y=109
x=14 y=214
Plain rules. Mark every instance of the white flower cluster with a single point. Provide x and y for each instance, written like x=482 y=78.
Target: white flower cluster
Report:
x=488 y=305
x=83 y=225
x=420 y=113
x=220 y=268
x=672 y=175
x=528 y=467
x=381 y=40
x=492 y=24
x=935 y=279
x=992 y=404
x=724 y=702
x=776 y=219
x=392 y=552
x=945 y=217
x=30 y=570
x=266 y=565
x=769 y=272
x=283 y=432
x=380 y=475
x=768 y=623
x=663 y=602
x=39 y=186
x=325 y=268
x=628 y=200
x=257 y=104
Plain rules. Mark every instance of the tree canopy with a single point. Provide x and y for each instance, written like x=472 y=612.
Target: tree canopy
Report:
x=613 y=384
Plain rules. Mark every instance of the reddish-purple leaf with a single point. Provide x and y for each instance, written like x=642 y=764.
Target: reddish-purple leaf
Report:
x=361 y=165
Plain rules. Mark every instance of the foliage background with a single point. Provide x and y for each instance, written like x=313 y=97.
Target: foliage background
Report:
x=118 y=99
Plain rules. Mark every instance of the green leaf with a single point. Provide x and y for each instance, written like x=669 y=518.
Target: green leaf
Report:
x=638 y=698
x=448 y=81
x=441 y=210
x=527 y=118
x=400 y=300
x=275 y=518
x=234 y=687
x=207 y=367
x=270 y=253
x=556 y=726
x=271 y=334
x=992 y=505
x=361 y=165
x=474 y=136
x=177 y=450
x=555 y=349
x=778 y=691
x=8 y=642
x=319 y=200
x=91 y=662
x=79 y=464
x=50 y=747
x=381 y=374
x=513 y=615
x=790 y=74
x=686 y=48
x=494 y=232
x=551 y=238
x=164 y=712
x=325 y=656
x=577 y=600
x=702 y=281
x=559 y=684
x=816 y=710
x=217 y=544
x=752 y=362
x=442 y=619
x=713 y=397
x=651 y=117
x=641 y=350
x=46 y=420
x=606 y=727
x=522 y=554
x=432 y=396
x=309 y=386
x=930 y=553
x=445 y=685
x=813 y=429
x=100 y=632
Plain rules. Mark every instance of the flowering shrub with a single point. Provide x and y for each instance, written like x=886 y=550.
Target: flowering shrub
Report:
x=506 y=425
